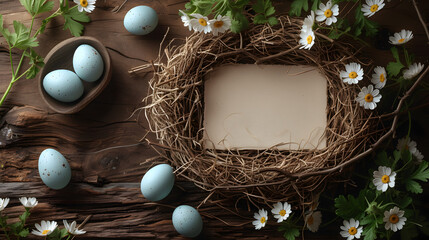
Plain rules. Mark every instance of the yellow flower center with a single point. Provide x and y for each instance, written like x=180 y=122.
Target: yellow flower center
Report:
x=202 y=21
x=46 y=231
x=401 y=40
x=352 y=231
x=328 y=13
x=218 y=24
x=310 y=220
x=282 y=212
x=369 y=98
x=374 y=8
x=382 y=78
x=263 y=220
x=352 y=75
x=309 y=39
x=385 y=179
x=394 y=218
x=83 y=3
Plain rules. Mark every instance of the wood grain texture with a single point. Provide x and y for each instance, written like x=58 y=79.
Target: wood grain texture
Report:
x=105 y=179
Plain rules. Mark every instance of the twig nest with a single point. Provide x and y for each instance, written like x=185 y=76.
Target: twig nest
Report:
x=174 y=110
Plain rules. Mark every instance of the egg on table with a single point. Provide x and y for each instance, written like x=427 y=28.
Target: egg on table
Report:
x=54 y=170
x=63 y=85
x=187 y=221
x=88 y=63
x=141 y=20
x=157 y=183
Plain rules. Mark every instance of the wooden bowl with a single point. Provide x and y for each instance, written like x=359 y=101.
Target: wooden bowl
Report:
x=61 y=57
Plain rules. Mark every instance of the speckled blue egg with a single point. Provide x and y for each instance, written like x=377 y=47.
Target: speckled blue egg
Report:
x=187 y=221
x=141 y=20
x=54 y=170
x=88 y=63
x=157 y=183
x=63 y=85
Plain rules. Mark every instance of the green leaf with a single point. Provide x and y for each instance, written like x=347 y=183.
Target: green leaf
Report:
x=79 y=16
x=404 y=201
x=270 y=11
x=297 y=6
x=46 y=7
x=259 y=19
x=259 y=6
x=422 y=172
x=23 y=217
x=21 y=37
x=35 y=7
x=291 y=233
x=382 y=159
x=239 y=22
x=273 y=21
x=394 y=68
x=370 y=232
x=316 y=4
x=4 y=31
x=350 y=207
x=72 y=17
x=36 y=63
x=413 y=186
x=24 y=232
x=63 y=233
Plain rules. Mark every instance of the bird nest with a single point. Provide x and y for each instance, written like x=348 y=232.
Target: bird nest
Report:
x=174 y=110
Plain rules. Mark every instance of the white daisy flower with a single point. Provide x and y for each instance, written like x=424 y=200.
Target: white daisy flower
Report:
x=353 y=73
x=384 y=178
x=186 y=20
x=28 y=202
x=351 y=229
x=45 y=228
x=307 y=38
x=220 y=24
x=369 y=97
x=413 y=70
x=72 y=229
x=371 y=7
x=327 y=12
x=308 y=22
x=261 y=219
x=379 y=77
x=419 y=156
x=313 y=221
x=200 y=23
x=406 y=144
x=3 y=203
x=87 y=5
x=401 y=37
x=394 y=219
x=281 y=211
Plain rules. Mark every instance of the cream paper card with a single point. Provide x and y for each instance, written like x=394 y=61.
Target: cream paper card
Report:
x=265 y=106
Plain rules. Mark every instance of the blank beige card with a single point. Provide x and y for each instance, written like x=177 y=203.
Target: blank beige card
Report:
x=265 y=106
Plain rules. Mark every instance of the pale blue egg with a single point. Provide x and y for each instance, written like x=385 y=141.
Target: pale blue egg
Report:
x=157 y=183
x=63 y=85
x=54 y=170
x=187 y=221
x=88 y=63
x=141 y=20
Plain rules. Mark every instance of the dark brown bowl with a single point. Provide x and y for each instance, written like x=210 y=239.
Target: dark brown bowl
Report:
x=61 y=57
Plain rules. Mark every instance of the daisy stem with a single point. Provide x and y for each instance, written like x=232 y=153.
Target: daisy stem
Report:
x=2 y=223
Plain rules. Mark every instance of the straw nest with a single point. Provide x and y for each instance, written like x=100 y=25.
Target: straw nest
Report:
x=174 y=110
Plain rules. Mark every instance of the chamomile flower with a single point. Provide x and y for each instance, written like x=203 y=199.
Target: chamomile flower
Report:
x=419 y=156
x=200 y=23
x=220 y=24
x=308 y=22
x=45 y=228
x=379 y=77
x=186 y=20
x=351 y=229
x=327 y=12
x=353 y=73
x=3 y=203
x=307 y=38
x=313 y=220
x=394 y=219
x=369 y=97
x=371 y=7
x=87 y=5
x=261 y=219
x=413 y=70
x=28 y=202
x=384 y=178
x=281 y=211
x=407 y=144
x=72 y=229
x=401 y=37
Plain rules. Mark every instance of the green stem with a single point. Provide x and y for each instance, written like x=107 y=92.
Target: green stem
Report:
x=7 y=91
x=11 y=61
x=4 y=227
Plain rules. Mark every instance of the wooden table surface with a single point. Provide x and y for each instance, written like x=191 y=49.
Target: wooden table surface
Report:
x=106 y=179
